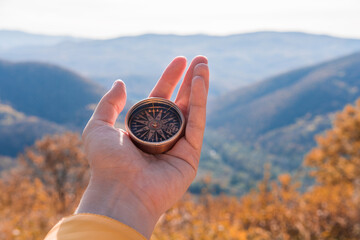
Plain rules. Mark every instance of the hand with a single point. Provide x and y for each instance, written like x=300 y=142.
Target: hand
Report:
x=128 y=184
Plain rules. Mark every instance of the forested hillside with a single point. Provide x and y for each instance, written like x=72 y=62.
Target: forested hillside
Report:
x=276 y=120
x=48 y=92
x=18 y=131
x=38 y=99
x=281 y=100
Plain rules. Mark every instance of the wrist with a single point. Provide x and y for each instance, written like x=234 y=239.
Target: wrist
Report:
x=120 y=203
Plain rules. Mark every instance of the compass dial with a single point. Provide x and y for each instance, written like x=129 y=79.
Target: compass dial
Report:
x=154 y=121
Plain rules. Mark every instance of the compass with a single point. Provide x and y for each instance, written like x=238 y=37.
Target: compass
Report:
x=155 y=124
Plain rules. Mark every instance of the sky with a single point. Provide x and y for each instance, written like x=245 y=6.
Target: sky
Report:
x=113 y=18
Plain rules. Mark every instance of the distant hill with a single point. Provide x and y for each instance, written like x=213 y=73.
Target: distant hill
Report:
x=281 y=100
x=276 y=120
x=235 y=60
x=17 y=39
x=18 y=131
x=48 y=92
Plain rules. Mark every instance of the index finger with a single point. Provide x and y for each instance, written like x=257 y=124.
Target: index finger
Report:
x=197 y=111
x=169 y=79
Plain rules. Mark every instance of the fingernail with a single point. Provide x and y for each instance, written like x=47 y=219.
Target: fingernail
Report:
x=116 y=82
x=199 y=69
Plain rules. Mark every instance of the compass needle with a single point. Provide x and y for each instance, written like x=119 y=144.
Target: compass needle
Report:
x=153 y=110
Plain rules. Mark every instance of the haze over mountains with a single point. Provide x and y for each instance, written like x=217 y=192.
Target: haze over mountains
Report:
x=15 y=39
x=266 y=111
x=236 y=60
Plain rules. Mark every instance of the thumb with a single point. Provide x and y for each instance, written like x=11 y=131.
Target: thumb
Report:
x=111 y=104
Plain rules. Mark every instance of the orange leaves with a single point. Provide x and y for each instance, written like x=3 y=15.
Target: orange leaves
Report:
x=203 y=217
x=51 y=176
x=334 y=211
x=336 y=159
x=278 y=211
x=45 y=186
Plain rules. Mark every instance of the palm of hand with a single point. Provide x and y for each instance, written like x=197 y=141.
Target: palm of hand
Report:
x=157 y=180
x=132 y=186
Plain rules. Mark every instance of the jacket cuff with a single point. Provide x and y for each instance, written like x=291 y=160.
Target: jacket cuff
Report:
x=92 y=226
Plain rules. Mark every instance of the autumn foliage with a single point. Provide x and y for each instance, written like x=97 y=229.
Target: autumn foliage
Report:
x=45 y=186
x=51 y=176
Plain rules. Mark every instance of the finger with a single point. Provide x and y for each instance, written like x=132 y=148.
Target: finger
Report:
x=182 y=98
x=197 y=113
x=111 y=104
x=169 y=79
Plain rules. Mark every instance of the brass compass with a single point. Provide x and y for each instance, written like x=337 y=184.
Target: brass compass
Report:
x=155 y=124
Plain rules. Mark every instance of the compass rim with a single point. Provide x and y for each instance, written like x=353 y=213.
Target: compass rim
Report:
x=168 y=141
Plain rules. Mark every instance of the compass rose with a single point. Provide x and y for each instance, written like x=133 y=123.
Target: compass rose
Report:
x=155 y=124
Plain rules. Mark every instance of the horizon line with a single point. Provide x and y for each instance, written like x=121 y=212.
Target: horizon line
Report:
x=181 y=34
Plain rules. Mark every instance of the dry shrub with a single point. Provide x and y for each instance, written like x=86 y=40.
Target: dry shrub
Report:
x=52 y=174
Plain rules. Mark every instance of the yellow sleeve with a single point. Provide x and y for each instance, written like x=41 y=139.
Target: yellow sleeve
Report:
x=91 y=226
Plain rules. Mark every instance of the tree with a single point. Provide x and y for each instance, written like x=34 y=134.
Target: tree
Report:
x=59 y=163
x=50 y=177
x=336 y=159
x=46 y=184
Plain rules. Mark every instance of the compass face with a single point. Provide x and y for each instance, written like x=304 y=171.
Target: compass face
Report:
x=155 y=121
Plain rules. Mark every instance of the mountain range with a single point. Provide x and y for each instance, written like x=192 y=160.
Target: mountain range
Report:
x=282 y=100
x=276 y=120
x=261 y=109
x=235 y=60
x=11 y=39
